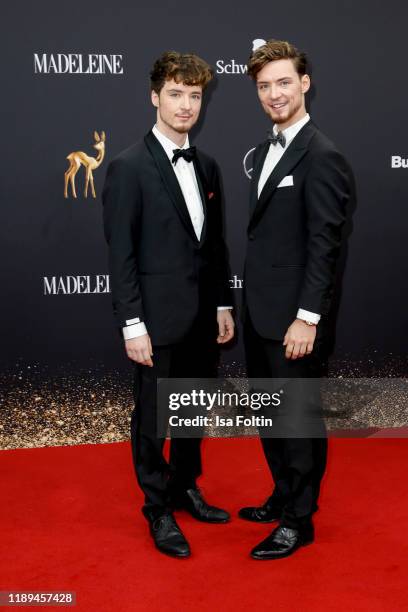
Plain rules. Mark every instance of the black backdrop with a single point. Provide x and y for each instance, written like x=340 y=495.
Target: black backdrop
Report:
x=358 y=54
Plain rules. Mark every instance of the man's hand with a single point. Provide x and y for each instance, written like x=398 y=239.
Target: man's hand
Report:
x=140 y=350
x=225 y=326
x=299 y=339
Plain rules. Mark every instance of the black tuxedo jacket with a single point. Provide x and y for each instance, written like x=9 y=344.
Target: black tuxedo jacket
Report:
x=160 y=272
x=294 y=232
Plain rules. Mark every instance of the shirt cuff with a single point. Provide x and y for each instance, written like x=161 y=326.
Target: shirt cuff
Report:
x=131 y=321
x=305 y=315
x=224 y=307
x=134 y=331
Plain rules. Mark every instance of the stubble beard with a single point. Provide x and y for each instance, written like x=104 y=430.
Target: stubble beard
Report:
x=285 y=118
x=180 y=129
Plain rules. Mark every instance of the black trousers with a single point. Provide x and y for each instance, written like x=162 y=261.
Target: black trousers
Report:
x=297 y=464
x=195 y=356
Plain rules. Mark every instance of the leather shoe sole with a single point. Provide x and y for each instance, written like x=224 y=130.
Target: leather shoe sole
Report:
x=168 y=538
x=213 y=521
x=252 y=514
x=272 y=556
x=203 y=519
x=178 y=555
x=187 y=507
x=283 y=542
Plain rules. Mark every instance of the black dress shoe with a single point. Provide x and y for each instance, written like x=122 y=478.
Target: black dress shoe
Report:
x=193 y=501
x=260 y=514
x=168 y=537
x=283 y=542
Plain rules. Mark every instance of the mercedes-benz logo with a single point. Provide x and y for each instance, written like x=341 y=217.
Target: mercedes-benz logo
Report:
x=247 y=163
x=258 y=42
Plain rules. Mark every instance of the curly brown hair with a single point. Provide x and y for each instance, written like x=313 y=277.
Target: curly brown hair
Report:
x=274 y=50
x=182 y=67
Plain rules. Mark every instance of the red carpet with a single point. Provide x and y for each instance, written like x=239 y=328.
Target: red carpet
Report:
x=70 y=521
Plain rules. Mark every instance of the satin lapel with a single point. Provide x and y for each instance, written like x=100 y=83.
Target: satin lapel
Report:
x=256 y=173
x=292 y=156
x=203 y=187
x=170 y=181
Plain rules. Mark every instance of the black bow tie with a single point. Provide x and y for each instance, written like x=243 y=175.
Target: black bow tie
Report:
x=275 y=138
x=188 y=154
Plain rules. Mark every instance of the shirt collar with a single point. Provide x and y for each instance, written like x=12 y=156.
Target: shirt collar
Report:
x=292 y=130
x=167 y=144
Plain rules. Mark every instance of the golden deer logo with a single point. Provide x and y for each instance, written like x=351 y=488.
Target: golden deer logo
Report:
x=78 y=158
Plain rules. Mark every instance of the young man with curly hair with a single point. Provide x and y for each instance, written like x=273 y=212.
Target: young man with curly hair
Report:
x=170 y=284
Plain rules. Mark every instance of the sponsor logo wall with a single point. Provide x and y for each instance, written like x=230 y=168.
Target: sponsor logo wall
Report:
x=399 y=162
x=76 y=93
x=78 y=63
x=80 y=284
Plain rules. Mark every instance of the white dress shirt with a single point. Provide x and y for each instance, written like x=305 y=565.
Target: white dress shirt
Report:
x=272 y=158
x=187 y=179
x=276 y=151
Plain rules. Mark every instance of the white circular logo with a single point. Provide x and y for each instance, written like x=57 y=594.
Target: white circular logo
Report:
x=247 y=163
x=258 y=42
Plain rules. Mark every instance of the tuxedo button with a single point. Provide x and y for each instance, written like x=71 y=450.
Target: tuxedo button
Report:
x=251 y=236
